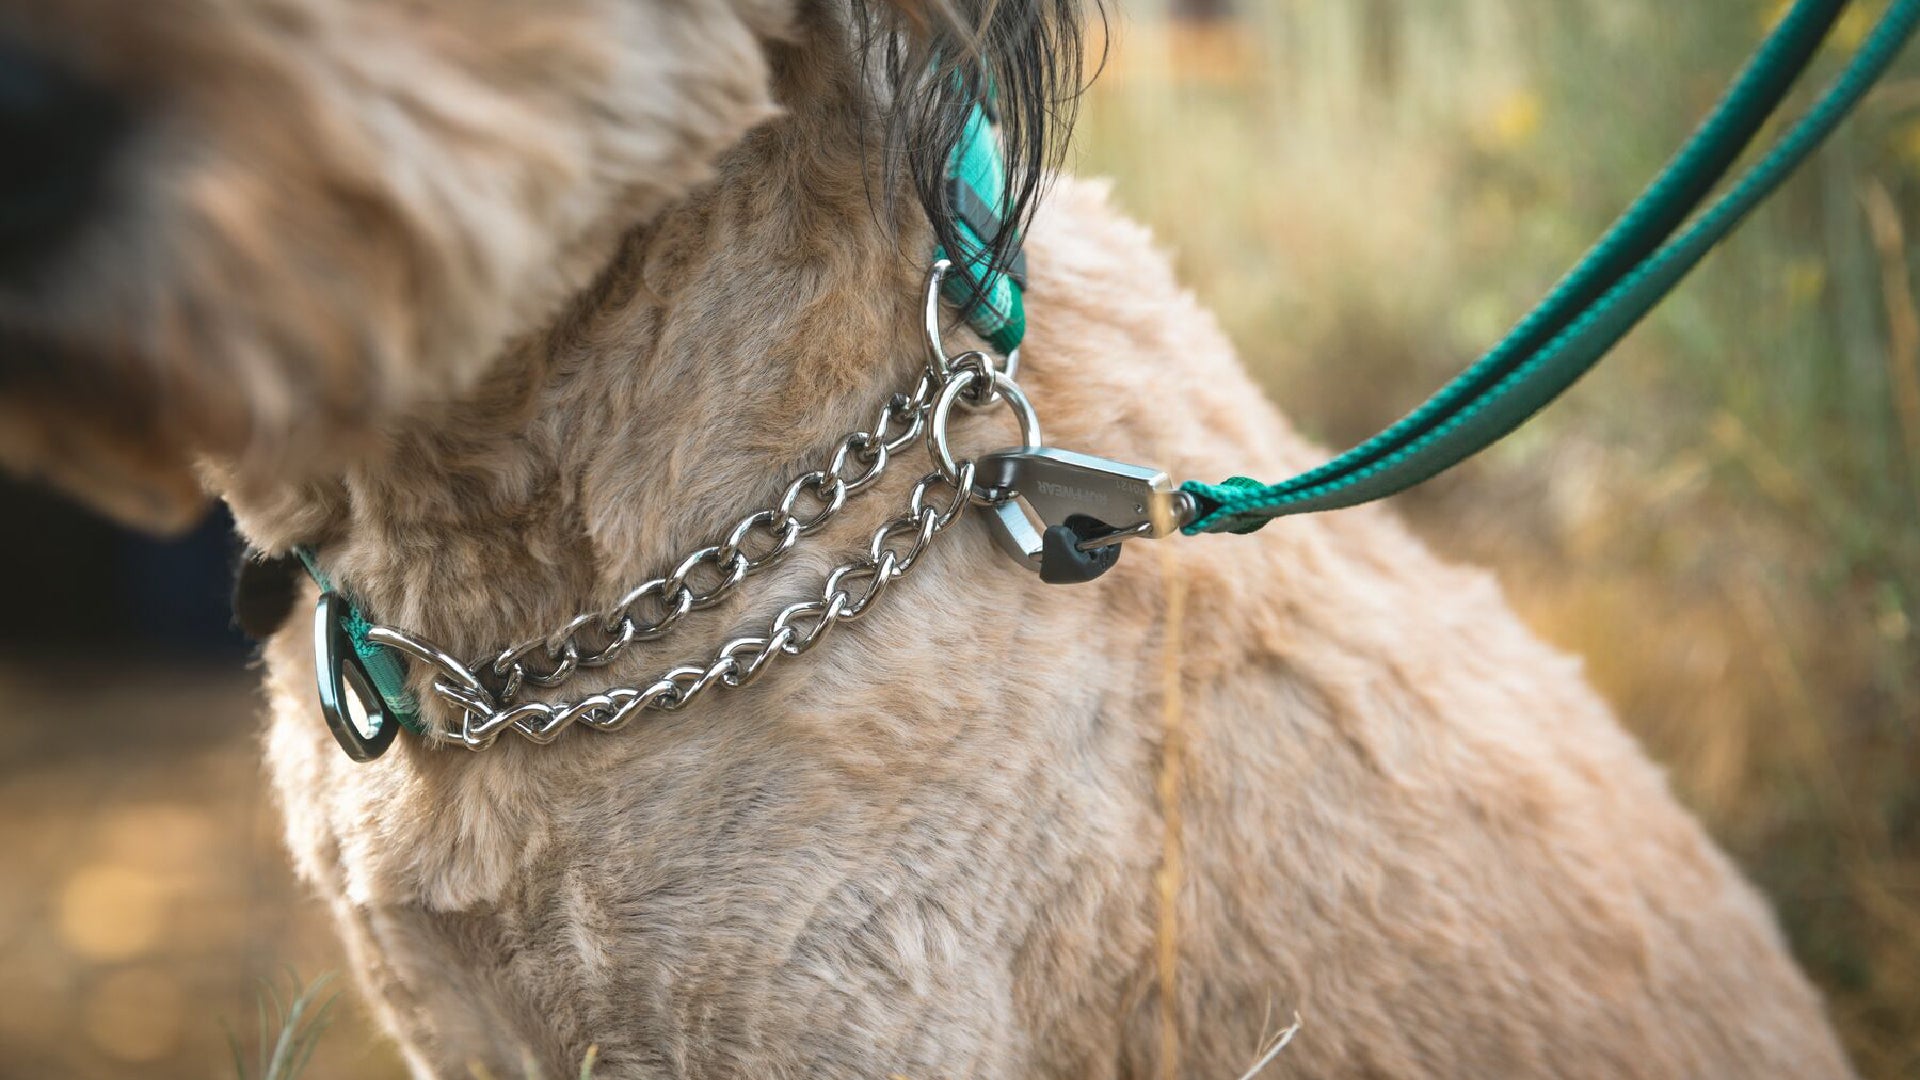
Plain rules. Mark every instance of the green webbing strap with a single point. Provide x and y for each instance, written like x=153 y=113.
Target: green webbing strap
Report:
x=1605 y=296
x=976 y=191
x=387 y=671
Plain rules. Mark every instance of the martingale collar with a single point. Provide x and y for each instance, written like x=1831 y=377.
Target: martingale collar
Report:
x=1061 y=514
x=363 y=683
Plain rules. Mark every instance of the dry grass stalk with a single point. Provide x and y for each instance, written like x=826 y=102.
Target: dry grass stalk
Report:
x=1172 y=770
x=1903 y=321
x=1272 y=1049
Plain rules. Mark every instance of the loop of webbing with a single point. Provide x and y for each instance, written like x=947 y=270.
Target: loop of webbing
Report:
x=385 y=669
x=976 y=190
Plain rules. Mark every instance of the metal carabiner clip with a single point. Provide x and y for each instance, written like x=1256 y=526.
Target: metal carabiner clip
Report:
x=1064 y=515
x=354 y=710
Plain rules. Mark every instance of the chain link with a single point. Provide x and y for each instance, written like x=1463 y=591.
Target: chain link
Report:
x=487 y=691
x=705 y=577
x=846 y=595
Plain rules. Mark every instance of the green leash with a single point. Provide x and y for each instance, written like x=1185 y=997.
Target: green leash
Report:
x=1632 y=268
x=1622 y=278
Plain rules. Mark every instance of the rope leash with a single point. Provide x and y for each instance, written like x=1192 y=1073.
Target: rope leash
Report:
x=1633 y=267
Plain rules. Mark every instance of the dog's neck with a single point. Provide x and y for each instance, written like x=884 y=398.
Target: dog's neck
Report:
x=725 y=345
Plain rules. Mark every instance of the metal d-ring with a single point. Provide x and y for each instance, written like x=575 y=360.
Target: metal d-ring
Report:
x=939 y=366
x=964 y=377
x=343 y=680
x=930 y=321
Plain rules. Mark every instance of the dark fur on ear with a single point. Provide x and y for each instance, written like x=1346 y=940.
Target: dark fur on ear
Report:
x=934 y=58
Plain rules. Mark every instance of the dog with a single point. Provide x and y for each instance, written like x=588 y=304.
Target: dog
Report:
x=502 y=307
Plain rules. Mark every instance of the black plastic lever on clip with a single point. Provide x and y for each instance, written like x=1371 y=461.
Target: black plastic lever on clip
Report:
x=1063 y=559
x=1064 y=515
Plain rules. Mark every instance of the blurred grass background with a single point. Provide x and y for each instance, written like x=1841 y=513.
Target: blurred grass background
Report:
x=1722 y=519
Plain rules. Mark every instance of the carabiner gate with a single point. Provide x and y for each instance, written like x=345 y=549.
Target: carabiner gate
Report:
x=1064 y=514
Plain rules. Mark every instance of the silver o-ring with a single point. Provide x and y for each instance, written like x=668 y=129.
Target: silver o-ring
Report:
x=943 y=408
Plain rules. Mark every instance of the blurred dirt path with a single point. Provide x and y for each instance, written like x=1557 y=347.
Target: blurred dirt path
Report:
x=143 y=890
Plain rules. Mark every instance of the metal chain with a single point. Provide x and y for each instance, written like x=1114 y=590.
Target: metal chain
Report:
x=846 y=594
x=650 y=610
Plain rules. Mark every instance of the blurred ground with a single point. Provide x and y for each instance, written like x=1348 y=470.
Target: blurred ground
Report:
x=143 y=888
x=1724 y=520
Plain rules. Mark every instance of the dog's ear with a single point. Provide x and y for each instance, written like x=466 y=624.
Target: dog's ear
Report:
x=939 y=57
x=132 y=481
x=88 y=426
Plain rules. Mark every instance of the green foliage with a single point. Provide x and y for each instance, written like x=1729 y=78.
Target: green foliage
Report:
x=288 y=1028
x=291 y=1019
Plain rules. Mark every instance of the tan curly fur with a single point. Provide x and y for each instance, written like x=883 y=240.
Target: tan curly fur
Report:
x=502 y=305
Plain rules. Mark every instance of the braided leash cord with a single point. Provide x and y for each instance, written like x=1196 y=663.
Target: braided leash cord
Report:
x=1520 y=375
